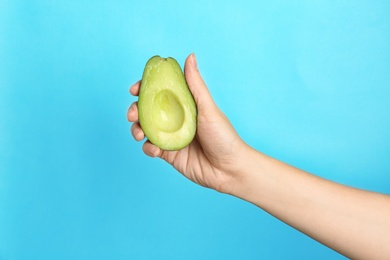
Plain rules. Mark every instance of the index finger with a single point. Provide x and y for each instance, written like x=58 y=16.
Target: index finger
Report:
x=134 y=89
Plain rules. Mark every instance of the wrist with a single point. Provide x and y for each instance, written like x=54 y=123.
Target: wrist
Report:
x=239 y=178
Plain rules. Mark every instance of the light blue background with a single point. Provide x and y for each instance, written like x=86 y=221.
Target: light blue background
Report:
x=307 y=82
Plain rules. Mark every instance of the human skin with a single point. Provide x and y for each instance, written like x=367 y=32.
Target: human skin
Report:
x=353 y=222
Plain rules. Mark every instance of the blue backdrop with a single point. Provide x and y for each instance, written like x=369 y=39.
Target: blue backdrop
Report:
x=307 y=82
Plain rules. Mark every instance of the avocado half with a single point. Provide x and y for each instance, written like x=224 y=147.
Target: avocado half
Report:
x=166 y=108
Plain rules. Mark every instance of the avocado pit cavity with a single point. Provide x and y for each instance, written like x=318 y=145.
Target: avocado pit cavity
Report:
x=167 y=112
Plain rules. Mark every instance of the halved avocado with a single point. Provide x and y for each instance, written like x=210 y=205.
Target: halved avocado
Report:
x=166 y=108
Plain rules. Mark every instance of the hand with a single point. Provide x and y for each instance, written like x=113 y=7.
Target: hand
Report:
x=214 y=157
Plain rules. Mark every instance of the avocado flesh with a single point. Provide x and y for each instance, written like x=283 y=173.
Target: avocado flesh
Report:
x=166 y=108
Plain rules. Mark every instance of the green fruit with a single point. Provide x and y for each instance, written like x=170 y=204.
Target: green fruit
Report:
x=166 y=109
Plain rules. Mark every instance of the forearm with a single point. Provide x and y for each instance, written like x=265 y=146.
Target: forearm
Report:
x=353 y=222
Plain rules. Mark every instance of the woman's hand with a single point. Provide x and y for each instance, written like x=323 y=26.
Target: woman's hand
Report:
x=213 y=159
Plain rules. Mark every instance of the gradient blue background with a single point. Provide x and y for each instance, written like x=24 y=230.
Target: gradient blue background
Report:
x=306 y=82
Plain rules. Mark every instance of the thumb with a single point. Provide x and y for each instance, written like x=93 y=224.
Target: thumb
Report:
x=196 y=84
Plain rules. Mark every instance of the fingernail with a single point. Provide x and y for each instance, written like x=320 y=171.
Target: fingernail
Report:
x=194 y=60
x=155 y=151
x=139 y=135
x=132 y=107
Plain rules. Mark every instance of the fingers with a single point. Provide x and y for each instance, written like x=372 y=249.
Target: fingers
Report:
x=148 y=148
x=151 y=150
x=132 y=113
x=137 y=132
x=132 y=116
x=134 y=89
x=196 y=84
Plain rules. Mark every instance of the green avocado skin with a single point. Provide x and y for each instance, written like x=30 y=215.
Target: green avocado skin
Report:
x=166 y=108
